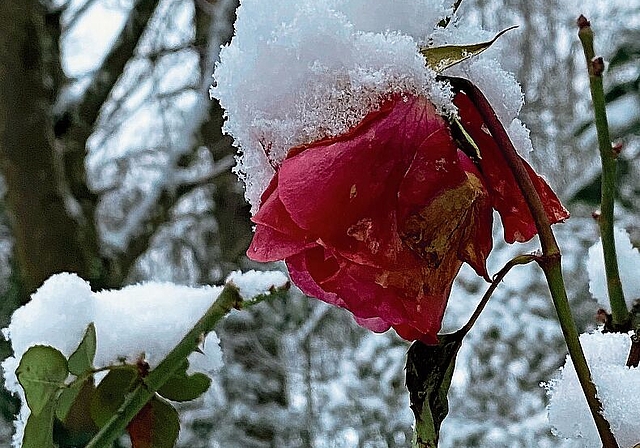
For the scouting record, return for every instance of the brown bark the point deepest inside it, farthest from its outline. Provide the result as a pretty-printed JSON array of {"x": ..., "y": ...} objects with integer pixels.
[
  {"x": 232, "y": 211},
  {"x": 50, "y": 207},
  {"x": 46, "y": 237}
]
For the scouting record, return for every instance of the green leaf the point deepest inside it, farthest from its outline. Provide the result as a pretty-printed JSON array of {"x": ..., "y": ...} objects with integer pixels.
[
  {"x": 157, "y": 425},
  {"x": 74, "y": 426},
  {"x": 443, "y": 57},
  {"x": 67, "y": 398},
  {"x": 185, "y": 387},
  {"x": 81, "y": 360},
  {"x": 429, "y": 371},
  {"x": 110, "y": 393},
  {"x": 41, "y": 373},
  {"x": 38, "y": 432}
]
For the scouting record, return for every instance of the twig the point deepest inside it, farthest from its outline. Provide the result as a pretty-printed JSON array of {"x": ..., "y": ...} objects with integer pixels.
[
  {"x": 520, "y": 259},
  {"x": 595, "y": 65}
]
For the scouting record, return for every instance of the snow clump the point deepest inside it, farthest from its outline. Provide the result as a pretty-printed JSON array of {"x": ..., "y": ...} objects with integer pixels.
[
  {"x": 297, "y": 71},
  {"x": 617, "y": 387},
  {"x": 628, "y": 265},
  {"x": 147, "y": 319}
]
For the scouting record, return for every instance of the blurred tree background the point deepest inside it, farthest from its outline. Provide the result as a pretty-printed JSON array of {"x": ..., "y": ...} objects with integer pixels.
[{"x": 113, "y": 166}]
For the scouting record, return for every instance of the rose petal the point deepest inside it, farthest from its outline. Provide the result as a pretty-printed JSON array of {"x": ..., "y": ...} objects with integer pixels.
[
  {"x": 457, "y": 220},
  {"x": 330, "y": 185},
  {"x": 476, "y": 240},
  {"x": 301, "y": 276},
  {"x": 271, "y": 245},
  {"x": 434, "y": 169},
  {"x": 276, "y": 236},
  {"x": 410, "y": 300},
  {"x": 506, "y": 196},
  {"x": 373, "y": 323}
]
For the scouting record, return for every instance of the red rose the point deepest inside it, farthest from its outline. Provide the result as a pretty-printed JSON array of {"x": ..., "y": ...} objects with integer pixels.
[{"x": 380, "y": 219}]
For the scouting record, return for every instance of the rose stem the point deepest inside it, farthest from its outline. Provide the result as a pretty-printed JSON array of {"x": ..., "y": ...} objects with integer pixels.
[
  {"x": 228, "y": 299},
  {"x": 550, "y": 261},
  {"x": 619, "y": 312},
  {"x": 520, "y": 259}
]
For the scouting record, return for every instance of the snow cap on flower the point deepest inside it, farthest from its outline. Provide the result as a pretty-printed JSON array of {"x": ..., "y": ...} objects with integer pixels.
[
  {"x": 297, "y": 71},
  {"x": 350, "y": 165},
  {"x": 300, "y": 70}
]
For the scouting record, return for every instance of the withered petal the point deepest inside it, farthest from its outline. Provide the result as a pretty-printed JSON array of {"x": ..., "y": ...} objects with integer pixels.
[{"x": 506, "y": 197}]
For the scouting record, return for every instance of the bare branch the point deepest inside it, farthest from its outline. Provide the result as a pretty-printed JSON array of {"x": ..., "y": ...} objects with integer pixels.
[
  {"x": 113, "y": 65},
  {"x": 213, "y": 27},
  {"x": 78, "y": 13},
  {"x": 83, "y": 115}
]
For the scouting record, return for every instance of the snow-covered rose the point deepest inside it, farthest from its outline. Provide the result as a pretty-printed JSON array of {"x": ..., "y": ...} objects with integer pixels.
[{"x": 379, "y": 220}]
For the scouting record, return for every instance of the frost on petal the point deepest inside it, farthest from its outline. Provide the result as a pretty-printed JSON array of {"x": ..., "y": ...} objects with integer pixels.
[
  {"x": 628, "y": 265},
  {"x": 505, "y": 193}
]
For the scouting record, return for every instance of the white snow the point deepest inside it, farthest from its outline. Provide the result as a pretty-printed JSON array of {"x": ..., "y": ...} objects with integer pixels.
[
  {"x": 297, "y": 71},
  {"x": 628, "y": 265},
  {"x": 606, "y": 355},
  {"x": 209, "y": 358},
  {"x": 146, "y": 319},
  {"x": 617, "y": 387},
  {"x": 499, "y": 86},
  {"x": 254, "y": 283}
]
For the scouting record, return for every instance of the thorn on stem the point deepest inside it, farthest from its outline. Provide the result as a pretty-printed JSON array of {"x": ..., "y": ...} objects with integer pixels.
[
  {"x": 583, "y": 22},
  {"x": 598, "y": 66},
  {"x": 634, "y": 353},
  {"x": 596, "y": 214},
  {"x": 616, "y": 147},
  {"x": 601, "y": 316}
]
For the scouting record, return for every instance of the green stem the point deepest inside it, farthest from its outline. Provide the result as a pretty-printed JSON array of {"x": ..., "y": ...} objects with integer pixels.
[
  {"x": 228, "y": 299},
  {"x": 425, "y": 434},
  {"x": 520, "y": 259},
  {"x": 550, "y": 260},
  {"x": 619, "y": 312}
]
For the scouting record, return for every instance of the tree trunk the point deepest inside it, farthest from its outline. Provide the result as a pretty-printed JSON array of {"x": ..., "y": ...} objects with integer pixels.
[{"x": 46, "y": 237}]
